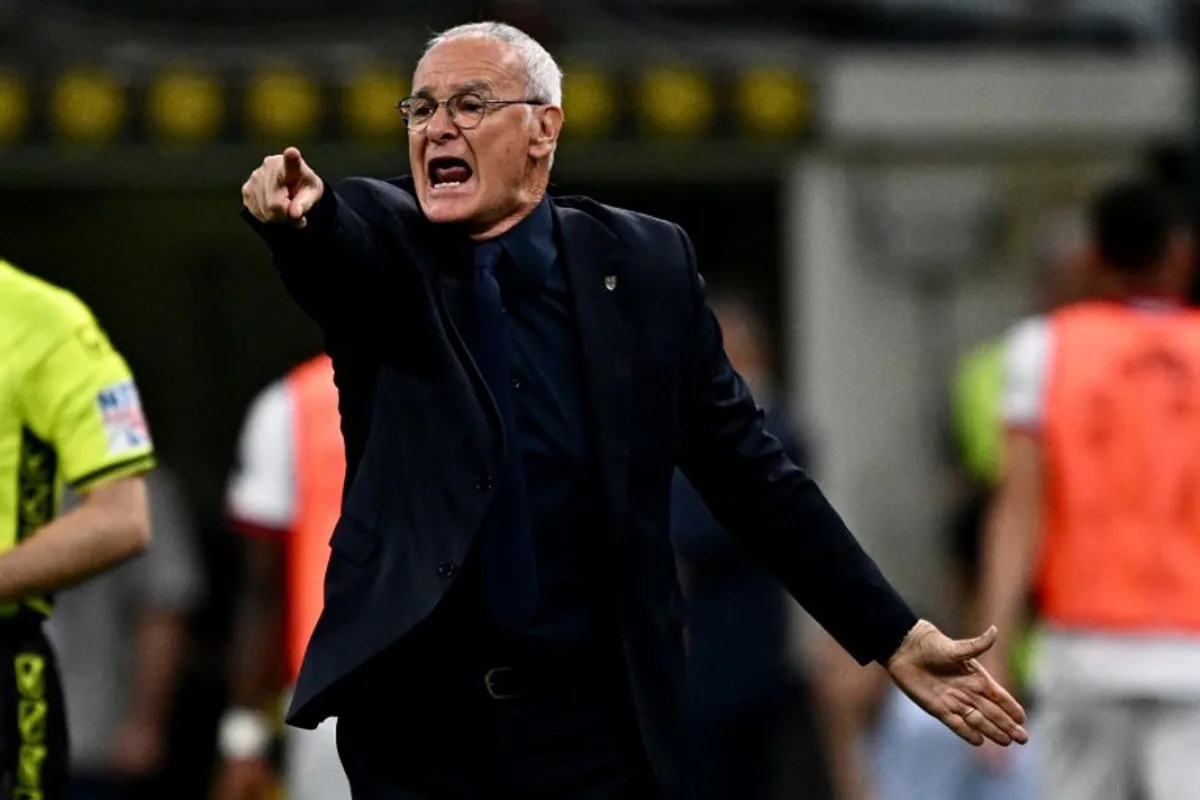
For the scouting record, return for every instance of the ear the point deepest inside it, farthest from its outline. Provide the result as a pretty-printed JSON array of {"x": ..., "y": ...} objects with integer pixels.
[{"x": 548, "y": 122}]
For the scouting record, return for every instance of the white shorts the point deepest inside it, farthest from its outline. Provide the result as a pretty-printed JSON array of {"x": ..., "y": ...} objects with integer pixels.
[
  {"x": 311, "y": 767},
  {"x": 1115, "y": 749}
]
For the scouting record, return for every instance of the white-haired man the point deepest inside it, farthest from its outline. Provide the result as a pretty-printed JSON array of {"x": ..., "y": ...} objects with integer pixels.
[{"x": 519, "y": 376}]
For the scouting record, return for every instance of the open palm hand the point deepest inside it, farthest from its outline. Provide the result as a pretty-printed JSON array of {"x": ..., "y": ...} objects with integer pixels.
[{"x": 944, "y": 677}]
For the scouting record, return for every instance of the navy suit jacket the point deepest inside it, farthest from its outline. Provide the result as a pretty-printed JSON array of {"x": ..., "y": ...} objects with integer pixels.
[{"x": 421, "y": 430}]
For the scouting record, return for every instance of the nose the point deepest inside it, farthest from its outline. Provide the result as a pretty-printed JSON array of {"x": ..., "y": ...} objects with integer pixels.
[{"x": 441, "y": 127}]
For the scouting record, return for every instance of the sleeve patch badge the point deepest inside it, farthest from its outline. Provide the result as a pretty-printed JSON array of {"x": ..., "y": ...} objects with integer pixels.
[{"x": 121, "y": 413}]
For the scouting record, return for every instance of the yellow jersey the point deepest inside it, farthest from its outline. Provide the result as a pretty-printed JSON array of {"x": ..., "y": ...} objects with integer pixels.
[{"x": 70, "y": 414}]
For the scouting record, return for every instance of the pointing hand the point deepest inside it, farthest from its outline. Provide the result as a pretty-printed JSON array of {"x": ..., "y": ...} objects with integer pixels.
[{"x": 283, "y": 189}]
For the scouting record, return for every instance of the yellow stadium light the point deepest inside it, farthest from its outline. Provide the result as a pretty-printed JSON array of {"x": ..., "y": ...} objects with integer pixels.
[
  {"x": 282, "y": 103},
  {"x": 773, "y": 101},
  {"x": 676, "y": 102},
  {"x": 370, "y": 103},
  {"x": 185, "y": 106},
  {"x": 87, "y": 105},
  {"x": 14, "y": 106},
  {"x": 589, "y": 102}
]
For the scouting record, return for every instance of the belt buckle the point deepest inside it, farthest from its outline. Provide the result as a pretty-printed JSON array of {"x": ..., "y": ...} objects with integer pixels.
[{"x": 489, "y": 679}]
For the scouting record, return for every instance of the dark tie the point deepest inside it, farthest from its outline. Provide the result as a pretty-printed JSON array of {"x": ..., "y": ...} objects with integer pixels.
[{"x": 509, "y": 563}]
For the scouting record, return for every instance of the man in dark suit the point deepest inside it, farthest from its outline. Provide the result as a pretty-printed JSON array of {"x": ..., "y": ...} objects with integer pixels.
[{"x": 518, "y": 378}]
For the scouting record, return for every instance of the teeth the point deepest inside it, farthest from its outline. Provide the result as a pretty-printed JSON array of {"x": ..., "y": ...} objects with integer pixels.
[{"x": 448, "y": 183}]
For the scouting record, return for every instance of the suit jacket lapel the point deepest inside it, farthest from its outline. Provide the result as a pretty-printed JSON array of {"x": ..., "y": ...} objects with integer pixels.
[{"x": 592, "y": 257}]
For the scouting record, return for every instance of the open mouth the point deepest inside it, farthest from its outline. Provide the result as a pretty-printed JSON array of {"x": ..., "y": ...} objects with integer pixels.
[{"x": 446, "y": 171}]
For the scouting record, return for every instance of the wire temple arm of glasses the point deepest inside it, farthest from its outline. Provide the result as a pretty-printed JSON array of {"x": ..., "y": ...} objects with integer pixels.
[{"x": 529, "y": 101}]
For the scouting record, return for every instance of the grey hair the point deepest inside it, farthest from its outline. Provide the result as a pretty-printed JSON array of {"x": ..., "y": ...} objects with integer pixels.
[{"x": 543, "y": 77}]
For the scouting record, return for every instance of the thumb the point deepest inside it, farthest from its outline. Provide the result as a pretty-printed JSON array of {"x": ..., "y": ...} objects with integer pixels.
[
  {"x": 965, "y": 649},
  {"x": 293, "y": 166}
]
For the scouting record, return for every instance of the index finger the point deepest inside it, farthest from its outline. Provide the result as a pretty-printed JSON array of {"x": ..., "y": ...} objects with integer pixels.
[{"x": 293, "y": 165}]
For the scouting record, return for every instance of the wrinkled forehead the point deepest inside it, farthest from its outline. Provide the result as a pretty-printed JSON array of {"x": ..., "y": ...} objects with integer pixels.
[{"x": 477, "y": 64}]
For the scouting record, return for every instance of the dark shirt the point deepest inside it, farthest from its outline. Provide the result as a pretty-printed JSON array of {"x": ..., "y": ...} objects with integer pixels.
[{"x": 552, "y": 433}]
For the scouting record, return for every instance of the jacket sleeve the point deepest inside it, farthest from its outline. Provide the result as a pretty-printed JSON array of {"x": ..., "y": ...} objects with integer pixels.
[
  {"x": 334, "y": 267},
  {"x": 772, "y": 507}
]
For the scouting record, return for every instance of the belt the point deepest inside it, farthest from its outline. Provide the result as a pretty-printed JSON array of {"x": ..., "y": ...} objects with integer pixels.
[
  {"x": 513, "y": 681},
  {"x": 486, "y": 670},
  {"x": 504, "y": 683},
  {"x": 499, "y": 683}
]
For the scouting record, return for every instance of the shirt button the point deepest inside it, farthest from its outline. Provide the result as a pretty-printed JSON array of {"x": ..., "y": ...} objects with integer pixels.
[
  {"x": 483, "y": 483},
  {"x": 447, "y": 569},
  {"x": 516, "y": 383}
]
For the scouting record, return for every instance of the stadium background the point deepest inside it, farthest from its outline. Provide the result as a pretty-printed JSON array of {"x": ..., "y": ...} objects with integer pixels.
[{"x": 870, "y": 171}]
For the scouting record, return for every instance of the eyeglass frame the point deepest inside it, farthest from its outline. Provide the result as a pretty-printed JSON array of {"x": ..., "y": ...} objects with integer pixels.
[{"x": 488, "y": 105}]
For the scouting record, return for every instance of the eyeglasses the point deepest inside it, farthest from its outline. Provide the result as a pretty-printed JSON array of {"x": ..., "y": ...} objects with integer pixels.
[{"x": 466, "y": 110}]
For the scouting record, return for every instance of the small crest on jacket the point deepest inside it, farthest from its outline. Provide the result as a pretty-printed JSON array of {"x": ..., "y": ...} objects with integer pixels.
[{"x": 610, "y": 282}]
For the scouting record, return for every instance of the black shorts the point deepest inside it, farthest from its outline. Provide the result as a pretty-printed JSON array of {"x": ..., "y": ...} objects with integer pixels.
[{"x": 33, "y": 725}]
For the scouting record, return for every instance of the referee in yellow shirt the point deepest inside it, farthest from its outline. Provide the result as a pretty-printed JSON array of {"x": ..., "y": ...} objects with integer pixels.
[{"x": 69, "y": 417}]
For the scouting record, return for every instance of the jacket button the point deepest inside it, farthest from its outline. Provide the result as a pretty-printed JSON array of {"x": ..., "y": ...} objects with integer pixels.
[
  {"x": 484, "y": 483},
  {"x": 447, "y": 569}
]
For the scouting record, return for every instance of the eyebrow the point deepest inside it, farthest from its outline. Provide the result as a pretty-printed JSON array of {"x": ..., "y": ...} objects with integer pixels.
[{"x": 467, "y": 86}]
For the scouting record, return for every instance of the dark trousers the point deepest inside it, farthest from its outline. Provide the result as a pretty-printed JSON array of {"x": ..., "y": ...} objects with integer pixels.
[
  {"x": 568, "y": 736},
  {"x": 33, "y": 723}
]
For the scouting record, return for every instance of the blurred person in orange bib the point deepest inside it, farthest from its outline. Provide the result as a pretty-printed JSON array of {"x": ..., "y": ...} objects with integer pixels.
[
  {"x": 1097, "y": 516},
  {"x": 878, "y": 745},
  {"x": 284, "y": 496}
]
